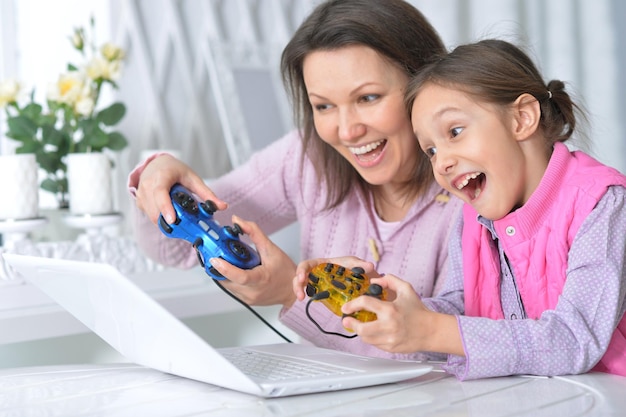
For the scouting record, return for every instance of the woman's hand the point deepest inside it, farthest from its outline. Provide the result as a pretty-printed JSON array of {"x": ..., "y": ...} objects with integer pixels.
[
  {"x": 266, "y": 284},
  {"x": 156, "y": 180},
  {"x": 404, "y": 324},
  {"x": 302, "y": 272}
]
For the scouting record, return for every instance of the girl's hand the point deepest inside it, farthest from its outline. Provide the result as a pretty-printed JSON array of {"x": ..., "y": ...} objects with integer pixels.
[
  {"x": 266, "y": 284},
  {"x": 405, "y": 324},
  {"x": 156, "y": 180},
  {"x": 301, "y": 277}
]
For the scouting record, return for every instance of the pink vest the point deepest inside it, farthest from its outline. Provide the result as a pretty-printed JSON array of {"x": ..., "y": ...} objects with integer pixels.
[{"x": 537, "y": 239}]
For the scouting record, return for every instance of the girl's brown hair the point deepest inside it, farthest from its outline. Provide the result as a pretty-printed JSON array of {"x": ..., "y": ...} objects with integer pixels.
[
  {"x": 394, "y": 29},
  {"x": 498, "y": 72}
]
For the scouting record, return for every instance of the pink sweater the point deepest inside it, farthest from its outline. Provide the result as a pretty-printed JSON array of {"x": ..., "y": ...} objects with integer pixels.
[
  {"x": 276, "y": 188},
  {"x": 537, "y": 241}
]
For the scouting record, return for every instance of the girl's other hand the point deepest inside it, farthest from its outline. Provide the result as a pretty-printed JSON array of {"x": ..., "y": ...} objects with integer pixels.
[{"x": 404, "y": 324}]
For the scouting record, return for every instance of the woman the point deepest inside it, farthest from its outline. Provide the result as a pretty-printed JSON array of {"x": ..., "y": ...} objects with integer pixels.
[{"x": 352, "y": 174}]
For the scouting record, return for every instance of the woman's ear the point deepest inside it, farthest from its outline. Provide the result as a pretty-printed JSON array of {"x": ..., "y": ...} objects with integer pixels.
[{"x": 526, "y": 116}]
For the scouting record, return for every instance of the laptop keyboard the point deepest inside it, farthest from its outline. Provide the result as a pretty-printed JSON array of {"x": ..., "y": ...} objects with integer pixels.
[{"x": 273, "y": 367}]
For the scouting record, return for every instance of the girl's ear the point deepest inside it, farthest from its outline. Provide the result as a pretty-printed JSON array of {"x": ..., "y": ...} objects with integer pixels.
[{"x": 526, "y": 116}]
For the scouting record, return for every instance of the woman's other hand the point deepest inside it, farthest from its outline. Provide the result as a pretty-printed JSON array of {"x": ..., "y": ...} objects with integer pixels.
[
  {"x": 156, "y": 180},
  {"x": 302, "y": 271}
]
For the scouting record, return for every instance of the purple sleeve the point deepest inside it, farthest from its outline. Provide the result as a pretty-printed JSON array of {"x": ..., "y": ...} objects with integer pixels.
[
  {"x": 573, "y": 337},
  {"x": 259, "y": 190},
  {"x": 155, "y": 245}
]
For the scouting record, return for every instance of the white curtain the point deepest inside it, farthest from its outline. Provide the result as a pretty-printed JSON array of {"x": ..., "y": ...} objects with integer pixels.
[
  {"x": 580, "y": 42},
  {"x": 179, "y": 91}
]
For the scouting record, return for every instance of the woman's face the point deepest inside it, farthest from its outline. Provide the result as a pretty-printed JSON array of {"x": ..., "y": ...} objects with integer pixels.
[{"x": 357, "y": 99}]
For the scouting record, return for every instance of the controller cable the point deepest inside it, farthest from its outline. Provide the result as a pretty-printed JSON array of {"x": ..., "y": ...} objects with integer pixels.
[
  {"x": 321, "y": 296},
  {"x": 253, "y": 311}
]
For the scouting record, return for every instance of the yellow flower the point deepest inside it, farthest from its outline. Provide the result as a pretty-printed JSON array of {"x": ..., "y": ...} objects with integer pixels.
[
  {"x": 70, "y": 88},
  {"x": 112, "y": 52},
  {"x": 9, "y": 90}
]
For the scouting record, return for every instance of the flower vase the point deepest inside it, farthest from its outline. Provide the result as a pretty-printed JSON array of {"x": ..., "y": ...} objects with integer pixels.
[
  {"x": 19, "y": 188},
  {"x": 89, "y": 183}
]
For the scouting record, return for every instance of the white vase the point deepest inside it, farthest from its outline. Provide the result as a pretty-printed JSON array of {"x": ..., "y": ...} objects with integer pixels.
[
  {"x": 89, "y": 183},
  {"x": 19, "y": 188}
]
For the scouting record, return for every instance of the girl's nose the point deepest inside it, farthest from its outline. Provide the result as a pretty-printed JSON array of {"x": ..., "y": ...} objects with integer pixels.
[{"x": 444, "y": 162}]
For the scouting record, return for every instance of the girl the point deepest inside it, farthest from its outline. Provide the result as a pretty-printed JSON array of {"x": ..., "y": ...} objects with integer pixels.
[{"x": 537, "y": 280}]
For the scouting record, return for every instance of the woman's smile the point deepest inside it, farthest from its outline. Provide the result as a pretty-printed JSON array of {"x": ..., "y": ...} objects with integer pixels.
[{"x": 370, "y": 154}]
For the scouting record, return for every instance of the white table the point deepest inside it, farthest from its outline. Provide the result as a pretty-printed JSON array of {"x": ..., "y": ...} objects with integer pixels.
[{"x": 131, "y": 390}]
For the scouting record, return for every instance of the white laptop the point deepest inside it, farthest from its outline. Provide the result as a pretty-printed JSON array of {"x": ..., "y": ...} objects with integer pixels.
[{"x": 143, "y": 331}]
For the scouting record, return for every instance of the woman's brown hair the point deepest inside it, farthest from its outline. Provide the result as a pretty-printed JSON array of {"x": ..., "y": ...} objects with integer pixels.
[{"x": 394, "y": 29}]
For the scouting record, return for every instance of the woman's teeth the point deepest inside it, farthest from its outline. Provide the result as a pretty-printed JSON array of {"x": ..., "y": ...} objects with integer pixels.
[{"x": 365, "y": 148}]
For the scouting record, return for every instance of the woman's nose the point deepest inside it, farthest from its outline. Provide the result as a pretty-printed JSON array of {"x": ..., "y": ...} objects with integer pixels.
[{"x": 350, "y": 126}]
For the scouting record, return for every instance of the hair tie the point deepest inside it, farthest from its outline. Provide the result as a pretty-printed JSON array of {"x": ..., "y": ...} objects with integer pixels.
[{"x": 549, "y": 94}]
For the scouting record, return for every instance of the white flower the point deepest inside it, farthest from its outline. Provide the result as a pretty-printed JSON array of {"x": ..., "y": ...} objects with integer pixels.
[
  {"x": 112, "y": 52},
  {"x": 78, "y": 39},
  {"x": 74, "y": 89},
  {"x": 99, "y": 68},
  {"x": 84, "y": 105},
  {"x": 9, "y": 90}
]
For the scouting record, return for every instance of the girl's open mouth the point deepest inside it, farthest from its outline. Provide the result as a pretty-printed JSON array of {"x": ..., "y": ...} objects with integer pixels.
[{"x": 471, "y": 184}]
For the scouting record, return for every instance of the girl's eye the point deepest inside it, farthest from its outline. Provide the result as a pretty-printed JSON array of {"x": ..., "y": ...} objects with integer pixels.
[
  {"x": 430, "y": 152},
  {"x": 455, "y": 131},
  {"x": 369, "y": 98}
]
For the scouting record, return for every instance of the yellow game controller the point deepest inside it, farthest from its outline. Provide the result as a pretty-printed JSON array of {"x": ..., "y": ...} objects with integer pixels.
[{"x": 334, "y": 285}]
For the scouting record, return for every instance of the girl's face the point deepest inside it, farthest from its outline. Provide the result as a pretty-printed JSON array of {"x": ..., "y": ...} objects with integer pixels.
[
  {"x": 474, "y": 151},
  {"x": 358, "y": 108}
]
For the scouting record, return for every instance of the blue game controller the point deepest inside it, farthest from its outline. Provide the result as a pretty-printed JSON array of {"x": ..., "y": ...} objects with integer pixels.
[{"x": 195, "y": 224}]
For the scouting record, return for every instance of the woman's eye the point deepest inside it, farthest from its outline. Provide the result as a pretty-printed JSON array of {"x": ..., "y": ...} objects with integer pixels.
[
  {"x": 455, "y": 131},
  {"x": 321, "y": 107}
]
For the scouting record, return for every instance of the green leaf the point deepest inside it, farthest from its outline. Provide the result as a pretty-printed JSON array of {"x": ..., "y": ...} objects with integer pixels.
[
  {"x": 98, "y": 140},
  {"x": 49, "y": 161},
  {"x": 52, "y": 136},
  {"x": 117, "y": 141},
  {"x": 29, "y": 146},
  {"x": 32, "y": 111},
  {"x": 21, "y": 127},
  {"x": 55, "y": 185},
  {"x": 112, "y": 114},
  {"x": 94, "y": 139}
]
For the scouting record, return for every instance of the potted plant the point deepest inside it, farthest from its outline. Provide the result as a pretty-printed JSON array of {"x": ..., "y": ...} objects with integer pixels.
[{"x": 71, "y": 121}]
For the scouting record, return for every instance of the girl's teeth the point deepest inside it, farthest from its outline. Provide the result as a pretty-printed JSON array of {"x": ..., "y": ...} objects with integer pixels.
[
  {"x": 366, "y": 148},
  {"x": 477, "y": 192},
  {"x": 467, "y": 179}
]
